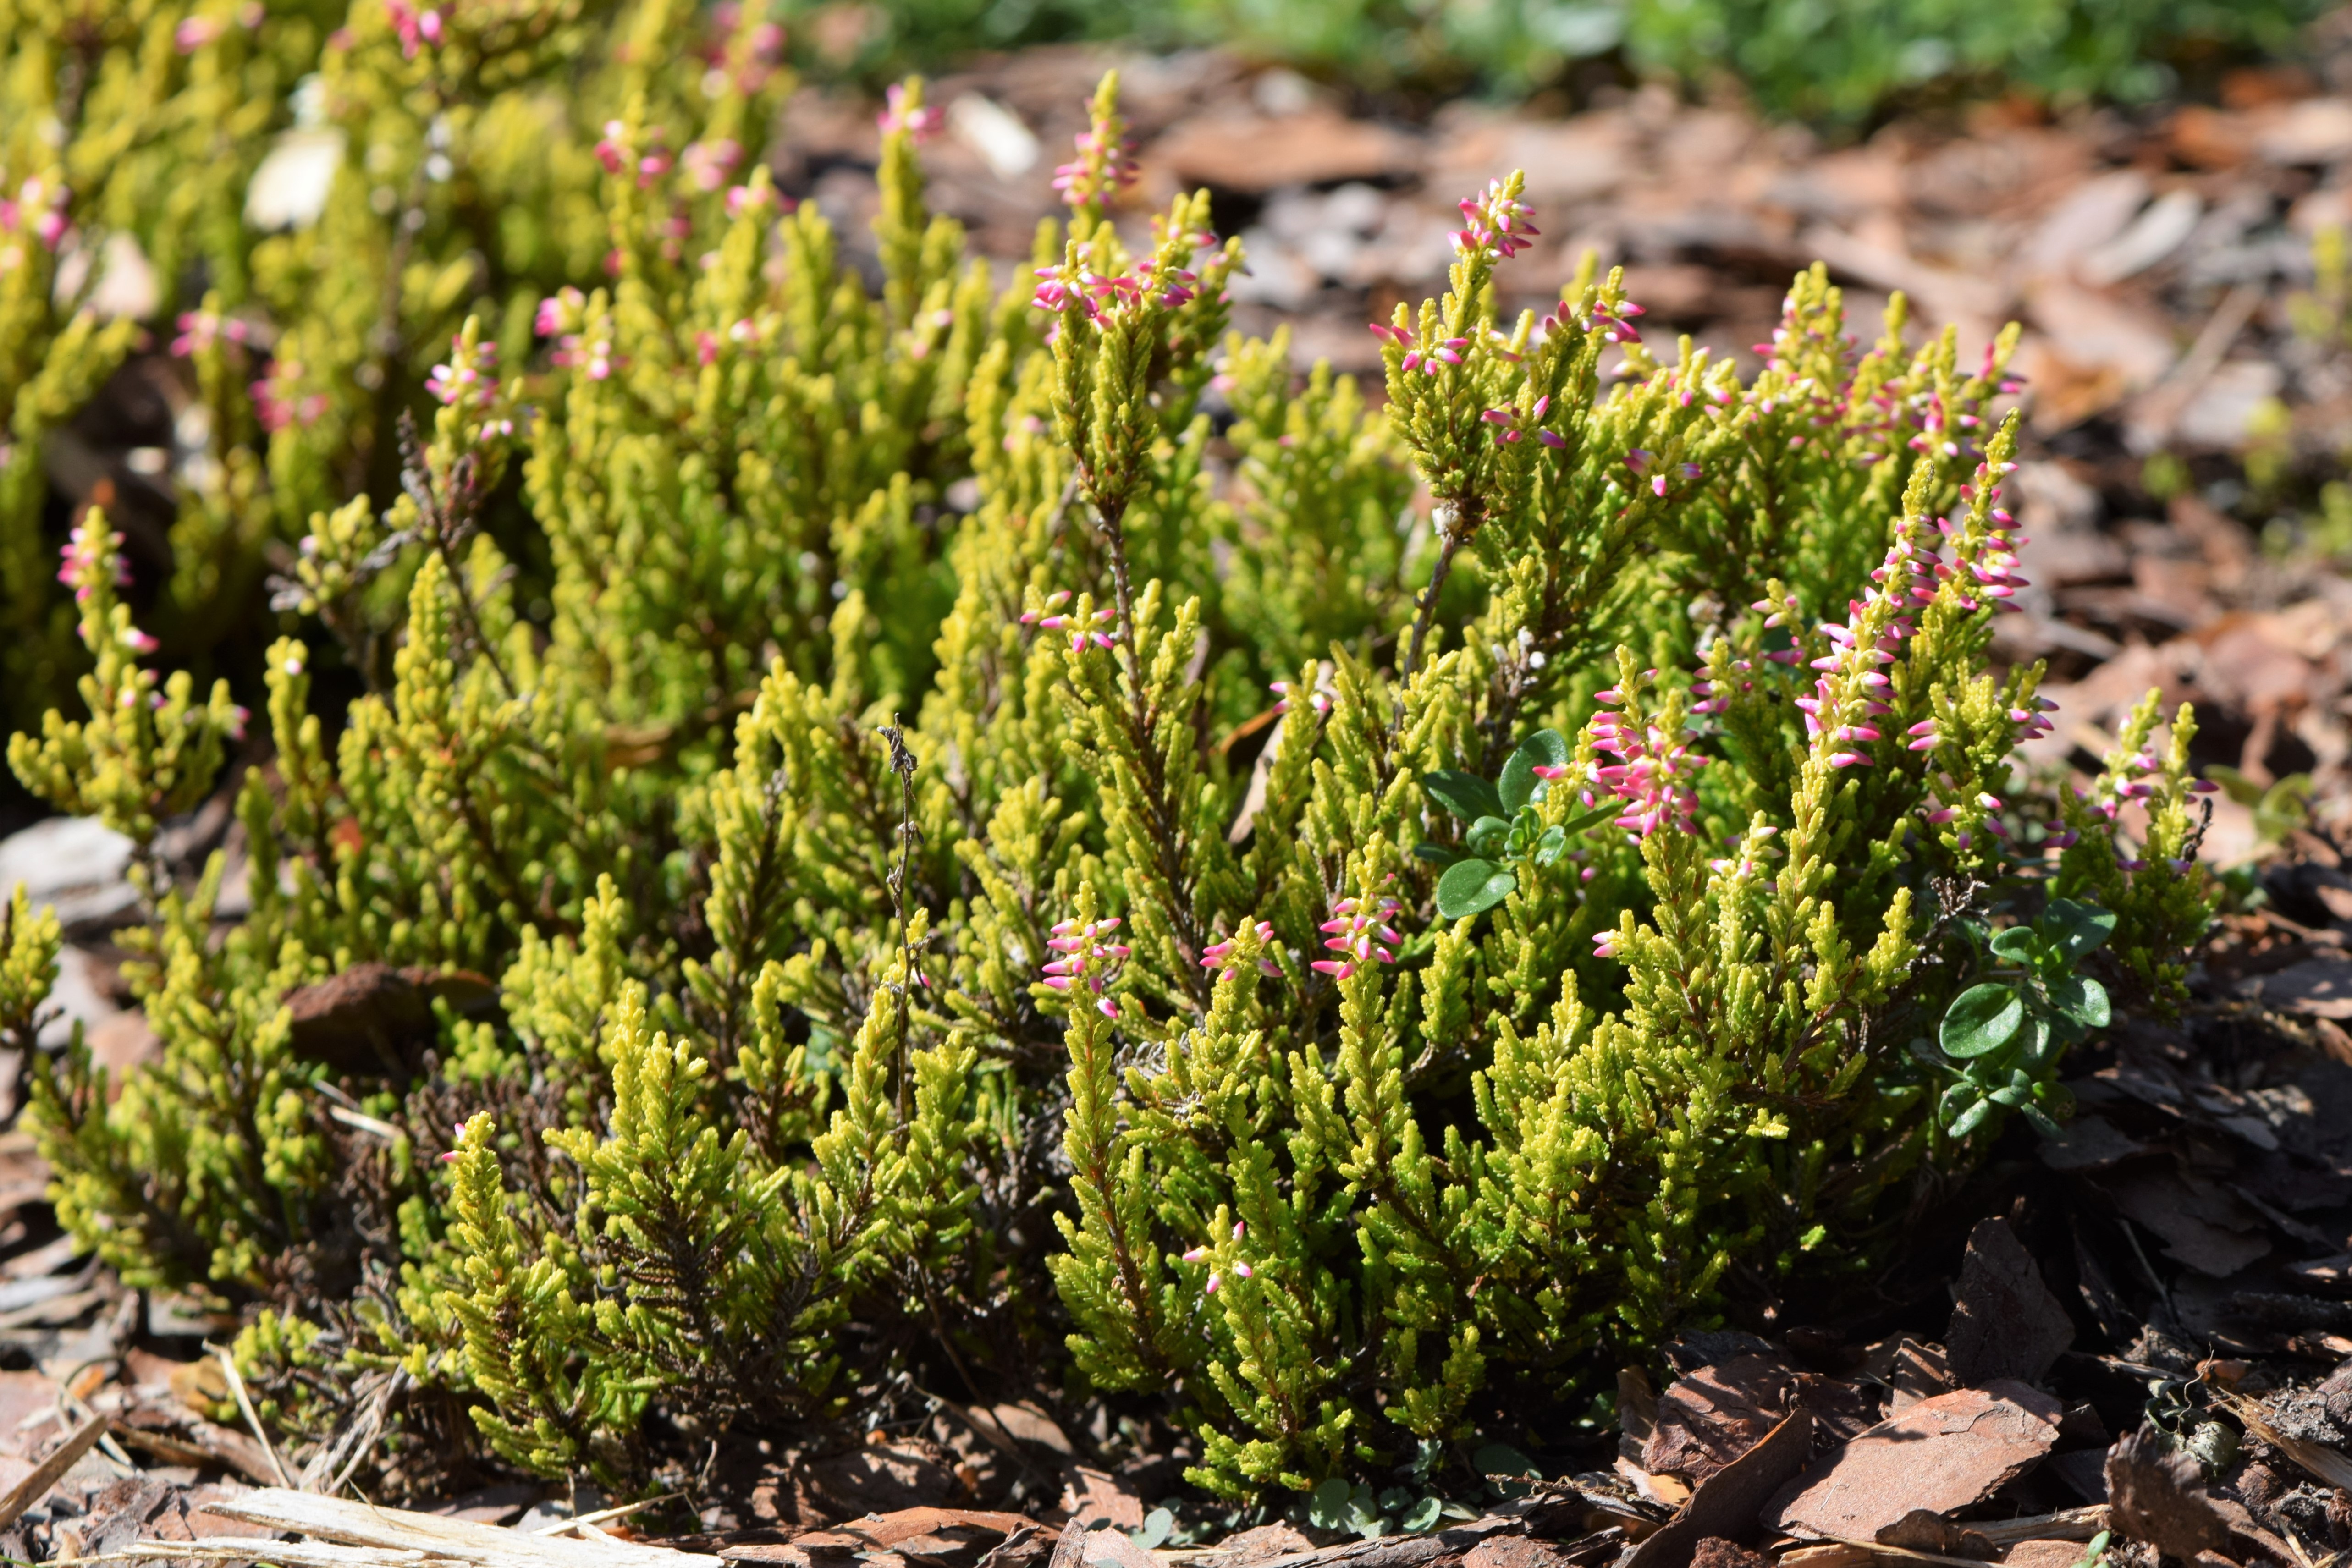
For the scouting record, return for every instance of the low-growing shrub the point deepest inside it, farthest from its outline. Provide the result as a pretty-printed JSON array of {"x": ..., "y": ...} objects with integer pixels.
[{"x": 865, "y": 928}]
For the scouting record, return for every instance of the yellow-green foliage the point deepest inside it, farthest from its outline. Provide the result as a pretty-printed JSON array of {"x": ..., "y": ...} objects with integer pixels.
[{"x": 899, "y": 974}]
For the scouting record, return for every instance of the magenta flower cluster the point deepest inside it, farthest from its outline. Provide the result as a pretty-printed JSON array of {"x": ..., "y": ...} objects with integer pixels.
[
  {"x": 200, "y": 329},
  {"x": 1088, "y": 632},
  {"x": 1077, "y": 179},
  {"x": 1219, "y": 956},
  {"x": 563, "y": 317},
  {"x": 415, "y": 27},
  {"x": 1087, "y": 963},
  {"x": 1653, "y": 771},
  {"x": 1507, "y": 423},
  {"x": 1643, "y": 462},
  {"x": 708, "y": 164},
  {"x": 38, "y": 208},
  {"x": 1101, "y": 294},
  {"x": 1359, "y": 933},
  {"x": 920, "y": 123},
  {"x": 87, "y": 550},
  {"x": 1492, "y": 222},
  {"x": 1201, "y": 1255},
  {"x": 277, "y": 401},
  {"x": 1424, "y": 358},
  {"x": 465, "y": 376}
]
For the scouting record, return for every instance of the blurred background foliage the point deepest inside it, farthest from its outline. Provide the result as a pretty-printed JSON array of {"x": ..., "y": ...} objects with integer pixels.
[{"x": 1834, "y": 62}]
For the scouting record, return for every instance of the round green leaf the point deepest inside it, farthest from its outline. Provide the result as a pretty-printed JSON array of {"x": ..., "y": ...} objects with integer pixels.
[
  {"x": 1472, "y": 887},
  {"x": 1466, "y": 795},
  {"x": 2082, "y": 999},
  {"x": 1158, "y": 1525},
  {"x": 1545, "y": 748},
  {"x": 1981, "y": 1020},
  {"x": 1495, "y": 1460},
  {"x": 1444, "y": 854},
  {"x": 1551, "y": 846},
  {"x": 1486, "y": 836},
  {"x": 2079, "y": 929},
  {"x": 1971, "y": 1119},
  {"x": 2037, "y": 1046},
  {"x": 1423, "y": 1515},
  {"x": 2017, "y": 944}
]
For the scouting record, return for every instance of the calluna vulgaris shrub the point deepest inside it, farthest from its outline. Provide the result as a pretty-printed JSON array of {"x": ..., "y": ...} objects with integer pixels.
[{"x": 814, "y": 757}]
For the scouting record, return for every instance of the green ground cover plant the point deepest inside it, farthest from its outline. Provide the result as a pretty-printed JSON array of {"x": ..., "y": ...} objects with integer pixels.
[{"x": 980, "y": 837}]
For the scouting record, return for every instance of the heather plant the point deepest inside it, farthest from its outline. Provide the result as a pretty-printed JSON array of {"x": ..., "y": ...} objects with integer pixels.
[{"x": 874, "y": 947}]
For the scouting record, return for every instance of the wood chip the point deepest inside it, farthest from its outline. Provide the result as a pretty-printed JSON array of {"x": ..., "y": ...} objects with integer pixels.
[
  {"x": 1728, "y": 1502},
  {"x": 484, "y": 1545},
  {"x": 1941, "y": 1454},
  {"x": 2006, "y": 1323}
]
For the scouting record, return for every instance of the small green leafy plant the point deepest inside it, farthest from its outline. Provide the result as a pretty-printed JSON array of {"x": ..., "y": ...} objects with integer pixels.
[
  {"x": 1506, "y": 836},
  {"x": 2002, "y": 1039}
]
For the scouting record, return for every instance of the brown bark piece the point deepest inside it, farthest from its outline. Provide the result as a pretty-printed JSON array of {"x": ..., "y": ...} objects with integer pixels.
[
  {"x": 1726, "y": 1505},
  {"x": 2159, "y": 1497},
  {"x": 374, "y": 1019},
  {"x": 1713, "y": 1415},
  {"x": 2200, "y": 1224},
  {"x": 1941, "y": 1454},
  {"x": 2043, "y": 1554},
  {"x": 1714, "y": 1552},
  {"x": 2006, "y": 1323},
  {"x": 1263, "y": 1544},
  {"x": 1920, "y": 1531},
  {"x": 1097, "y": 1498},
  {"x": 1920, "y": 1372},
  {"x": 1515, "y": 1552}
]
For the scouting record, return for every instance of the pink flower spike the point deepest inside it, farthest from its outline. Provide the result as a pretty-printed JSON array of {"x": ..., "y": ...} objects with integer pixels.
[
  {"x": 1604, "y": 945},
  {"x": 1197, "y": 1255},
  {"x": 1240, "y": 1229},
  {"x": 1240, "y": 1270},
  {"x": 1215, "y": 1280}
]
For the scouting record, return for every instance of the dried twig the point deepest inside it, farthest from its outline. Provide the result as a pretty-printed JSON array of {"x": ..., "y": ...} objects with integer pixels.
[
  {"x": 51, "y": 1470},
  {"x": 565, "y": 1526},
  {"x": 245, "y": 1407}
]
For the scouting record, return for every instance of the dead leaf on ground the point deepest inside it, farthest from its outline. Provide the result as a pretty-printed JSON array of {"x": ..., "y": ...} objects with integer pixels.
[
  {"x": 2006, "y": 1323},
  {"x": 1942, "y": 1453}
]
